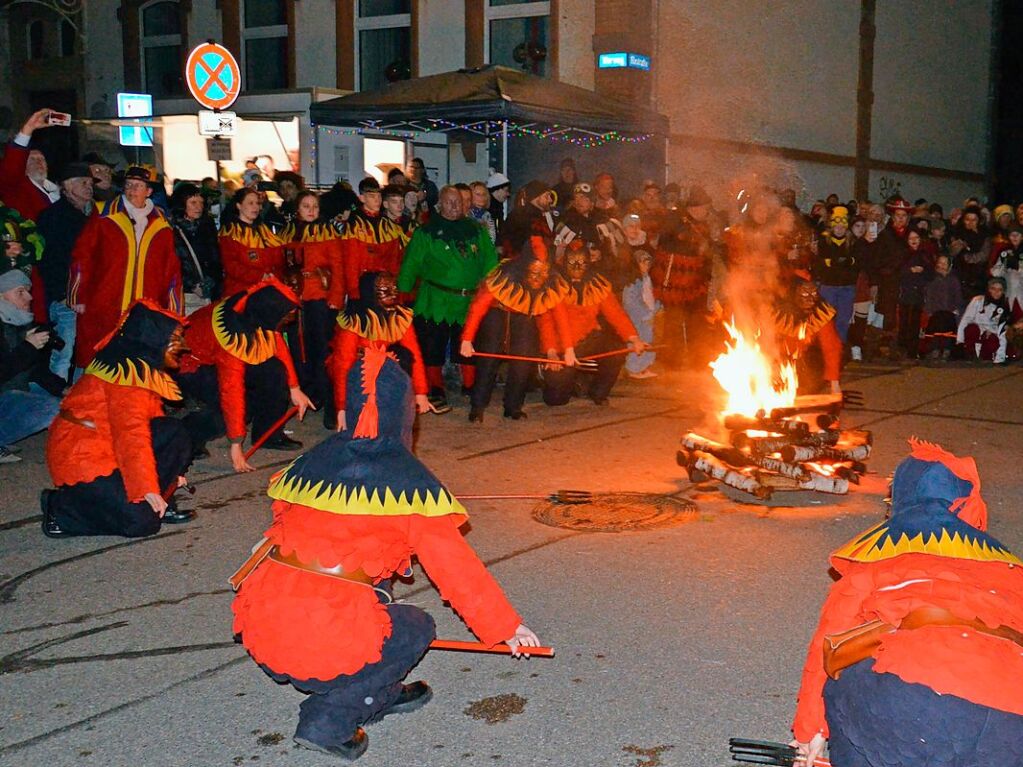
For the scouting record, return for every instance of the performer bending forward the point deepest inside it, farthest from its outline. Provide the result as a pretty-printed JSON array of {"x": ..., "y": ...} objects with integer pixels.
[{"x": 317, "y": 612}]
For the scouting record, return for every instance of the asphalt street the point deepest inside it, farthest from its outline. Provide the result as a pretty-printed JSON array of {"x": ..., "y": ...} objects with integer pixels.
[{"x": 669, "y": 641}]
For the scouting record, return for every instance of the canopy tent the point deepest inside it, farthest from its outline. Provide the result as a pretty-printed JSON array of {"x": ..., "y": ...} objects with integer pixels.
[{"x": 499, "y": 103}]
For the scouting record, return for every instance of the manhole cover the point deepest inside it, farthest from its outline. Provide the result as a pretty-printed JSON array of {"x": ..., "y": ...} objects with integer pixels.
[{"x": 617, "y": 512}]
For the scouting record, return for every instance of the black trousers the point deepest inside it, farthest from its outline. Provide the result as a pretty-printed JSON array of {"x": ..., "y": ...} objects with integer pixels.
[
  {"x": 329, "y": 716},
  {"x": 559, "y": 385},
  {"x": 317, "y": 325},
  {"x": 503, "y": 332},
  {"x": 267, "y": 398},
  {"x": 101, "y": 507},
  {"x": 909, "y": 328},
  {"x": 439, "y": 341}
]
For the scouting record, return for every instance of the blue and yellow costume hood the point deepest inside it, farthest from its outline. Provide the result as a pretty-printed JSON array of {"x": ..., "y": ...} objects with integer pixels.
[
  {"x": 936, "y": 509},
  {"x": 368, "y": 470}
]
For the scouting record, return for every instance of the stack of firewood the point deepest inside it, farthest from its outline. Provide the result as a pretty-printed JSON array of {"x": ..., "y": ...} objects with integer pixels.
[{"x": 793, "y": 448}]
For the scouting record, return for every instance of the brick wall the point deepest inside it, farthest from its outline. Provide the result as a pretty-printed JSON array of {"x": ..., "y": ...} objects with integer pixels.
[{"x": 624, "y": 25}]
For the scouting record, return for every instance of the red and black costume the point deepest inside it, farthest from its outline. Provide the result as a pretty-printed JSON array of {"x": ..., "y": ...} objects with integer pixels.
[
  {"x": 922, "y": 636},
  {"x": 503, "y": 319},
  {"x": 111, "y": 443},
  {"x": 589, "y": 304},
  {"x": 238, "y": 365},
  {"x": 371, "y": 242},
  {"x": 365, "y": 323},
  {"x": 348, "y": 515},
  {"x": 112, "y": 265},
  {"x": 316, "y": 250},
  {"x": 249, "y": 253},
  {"x": 804, "y": 327}
]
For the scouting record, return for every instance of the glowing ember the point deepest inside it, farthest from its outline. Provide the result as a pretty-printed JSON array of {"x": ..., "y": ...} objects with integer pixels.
[{"x": 752, "y": 381}]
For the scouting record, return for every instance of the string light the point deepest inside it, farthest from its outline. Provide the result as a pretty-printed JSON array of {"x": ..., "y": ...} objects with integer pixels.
[{"x": 489, "y": 129}]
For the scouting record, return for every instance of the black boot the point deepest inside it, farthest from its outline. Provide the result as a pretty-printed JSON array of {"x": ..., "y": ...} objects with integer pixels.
[
  {"x": 50, "y": 527},
  {"x": 282, "y": 442},
  {"x": 175, "y": 516},
  {"x": 351, "y": 749},
  {"x": 413, "y": 696}
]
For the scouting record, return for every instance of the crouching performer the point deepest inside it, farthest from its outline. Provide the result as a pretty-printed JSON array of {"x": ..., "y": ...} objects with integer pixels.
[
  {"x": 315, "y": 607},
  {"x": 239, "y": 369},
  {"x": 115, "y": 458},
  {"x": 503, "y": 320},
  {"x": 918, "y": 656},
  {"x": 374, "y": 319},
  {"x": 590, "y": 301}
]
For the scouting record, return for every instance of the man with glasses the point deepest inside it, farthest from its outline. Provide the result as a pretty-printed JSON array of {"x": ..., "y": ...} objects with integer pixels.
[{"x": 122, "y": 256}]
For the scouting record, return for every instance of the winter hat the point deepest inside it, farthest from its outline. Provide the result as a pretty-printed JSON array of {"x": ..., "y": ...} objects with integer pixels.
[
  {"x": 497, "y": 181},
  {"x": 13, "y": 278}
]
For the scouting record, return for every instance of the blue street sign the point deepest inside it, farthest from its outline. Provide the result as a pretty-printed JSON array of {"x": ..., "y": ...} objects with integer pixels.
[
  {"x": 135, "y": 105},
  {"x": 639, "y": 61},
  {"x": 612, "y": 60}
]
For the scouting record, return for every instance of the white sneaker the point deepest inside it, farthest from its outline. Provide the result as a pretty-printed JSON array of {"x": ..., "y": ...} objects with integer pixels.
[
  {"x": 856, "y": 353},
  {"x": 6, "y": 456}
]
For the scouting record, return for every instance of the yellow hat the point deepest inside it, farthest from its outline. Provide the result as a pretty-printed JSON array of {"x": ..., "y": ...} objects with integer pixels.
[
  {"x": 1002, "y": 210},
  {"x": 839, "y": 215}
]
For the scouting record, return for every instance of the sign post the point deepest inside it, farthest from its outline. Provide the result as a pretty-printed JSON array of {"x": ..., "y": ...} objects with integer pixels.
[{"x": 214, "y": 80}]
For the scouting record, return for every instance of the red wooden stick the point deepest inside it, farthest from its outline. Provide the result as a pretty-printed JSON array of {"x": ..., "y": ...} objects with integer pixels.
[
  {"x": 269, "y": 432},
  {"x": 627, "y": 350},
  {"x": 540, "y": 360},
  {"x": 451, "y": 644}
]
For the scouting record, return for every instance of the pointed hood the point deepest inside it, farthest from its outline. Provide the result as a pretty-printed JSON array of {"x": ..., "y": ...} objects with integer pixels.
[
  {"x": 244, "y": 324},
  {"x": 365, "y": 317},
  {"x": 368, "y": 469},
  {"x": 936, "y": 509}
]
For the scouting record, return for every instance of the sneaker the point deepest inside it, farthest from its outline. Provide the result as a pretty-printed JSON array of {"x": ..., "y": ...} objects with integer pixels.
[
  {"x": 856, "y": 353},
  {"x": 646, "y": 373},
  {"x": 412, "y": 697},
  {"x": 8, "y": 456}
]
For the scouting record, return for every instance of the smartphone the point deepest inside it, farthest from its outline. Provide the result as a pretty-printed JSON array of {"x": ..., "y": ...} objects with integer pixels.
[
  {"x": 59, "y": 118},
  {"x": 872, "y": 228}
]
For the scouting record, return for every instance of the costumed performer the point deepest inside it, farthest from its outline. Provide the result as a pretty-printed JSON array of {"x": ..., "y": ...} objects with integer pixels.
[
  {"x": 317, "y": 612},
  {"x": 114, "y": 456}
]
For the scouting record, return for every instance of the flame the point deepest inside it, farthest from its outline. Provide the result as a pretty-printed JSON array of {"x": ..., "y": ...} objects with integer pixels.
[{"x": 752, "y": 381}]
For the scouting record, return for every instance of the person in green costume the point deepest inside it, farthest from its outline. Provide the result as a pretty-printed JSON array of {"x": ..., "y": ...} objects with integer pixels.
[{"x": 448, "y": 257}]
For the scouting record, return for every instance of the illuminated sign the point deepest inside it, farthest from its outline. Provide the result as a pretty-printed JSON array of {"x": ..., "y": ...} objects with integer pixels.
[
  {"x": 612, "y": 61},
  {"x": 135, "y": 105},
  {"x": 623, "y": 60},
  {"x": 639, "y": 61}
]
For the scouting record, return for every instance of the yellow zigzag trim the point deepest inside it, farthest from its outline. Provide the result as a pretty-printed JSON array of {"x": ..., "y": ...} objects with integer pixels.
[
  {"x": 260, "y": 236},
  {"x": 370, "y": 326},
  {"x": 344, "y": 500},
  {"x": 318, "y": 232},
  {"x": 254, "y": 349},
  {"x": 866, "y": 549},
  {"x": 517, "y": 297},
  {"x": 595, "y": 290},
  {"x": 138, "y": 373},
  {"x": 362, "y": 229},
  {"x": 818, "y": 318}
]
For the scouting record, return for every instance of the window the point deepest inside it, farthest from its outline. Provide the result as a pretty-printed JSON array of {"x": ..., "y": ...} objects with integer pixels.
[
  {"x": 517, "y": 33},
  {"x": 34, "y": 34},
  {"x": 67, "y": 38},
  {"x": 383, "y": 42},
  {"x": 265, "y": 44},
  {"x": 161, "y": 49}
]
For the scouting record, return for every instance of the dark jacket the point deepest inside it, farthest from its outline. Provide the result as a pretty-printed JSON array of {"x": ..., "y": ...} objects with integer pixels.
[
  {"x": 944, "y": 294},
  {"x": 60, "y": 224},
  {"x": 202, "y": 236},
  {"x": 912, "y": 284},
  {"x": 836, "y": 263},
  {"x": 21, "y": 363}
]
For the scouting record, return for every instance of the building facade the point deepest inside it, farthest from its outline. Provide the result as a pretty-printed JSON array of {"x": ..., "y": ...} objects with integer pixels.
[{"x": 857, "y": 97}]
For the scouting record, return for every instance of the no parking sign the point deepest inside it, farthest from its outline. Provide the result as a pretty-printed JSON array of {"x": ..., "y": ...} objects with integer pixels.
[{"x": 213, "y": 76}]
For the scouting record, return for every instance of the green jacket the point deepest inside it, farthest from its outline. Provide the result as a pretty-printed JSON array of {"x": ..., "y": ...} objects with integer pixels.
[{"x": 455, "y": 255}]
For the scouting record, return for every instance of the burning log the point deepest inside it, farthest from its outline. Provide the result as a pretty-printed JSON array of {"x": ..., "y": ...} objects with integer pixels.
[
  {"x": 814, "y": 403},
  {"x": 792, "y": 470},
  {"x": 823, "y": 484},
  {"x": 766, "y": 445},
  {"x": 722, "y": 472},
  {"x": 800, "y": 453},
  {"x": 743, "y": 423},
  {"x": 726, "y": 453},
  {"x": 776, "y": 481}
]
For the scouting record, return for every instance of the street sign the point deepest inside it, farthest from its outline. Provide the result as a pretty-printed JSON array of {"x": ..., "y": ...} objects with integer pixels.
[
  {"x": 218, "y": 150},
  {"x": 135, "y": 105},
  {"x": 212, "y": 75},
  {"x": 217, "y": 123},
  {"x": 612, "y": 60},
  {"x": 639, "y": 61}
]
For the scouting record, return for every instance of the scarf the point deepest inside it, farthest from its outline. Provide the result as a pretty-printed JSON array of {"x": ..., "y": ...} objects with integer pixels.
[
  {"x": 139, "y": 217},
  {"x": 12, "y": 315}
]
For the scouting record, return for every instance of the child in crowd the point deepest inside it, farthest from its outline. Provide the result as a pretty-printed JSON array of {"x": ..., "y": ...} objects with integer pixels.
[{"x": 641, "y": 306}]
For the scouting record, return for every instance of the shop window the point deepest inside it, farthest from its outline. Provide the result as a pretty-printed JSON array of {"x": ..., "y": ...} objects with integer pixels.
[
  {"x": 265, "y": 44},
  {"x": 35, "y": 39},
  {"x": 161, "y": 49},
  {"x": 383, "y": 42},
  {"x": 518, "y": 34}
]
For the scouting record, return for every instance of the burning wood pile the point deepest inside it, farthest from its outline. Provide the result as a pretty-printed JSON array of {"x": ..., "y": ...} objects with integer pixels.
[{"x": 774, "y": 439}]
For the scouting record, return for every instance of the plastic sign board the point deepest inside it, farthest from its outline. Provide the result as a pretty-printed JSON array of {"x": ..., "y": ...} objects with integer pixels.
[
  {"x": 218, "y": 150},
  {"x": 212, "y": 76},
  {"x": 612, "y": 60},
  {"x": 639, "y": 61},
  {"x": 218, "y": 123},
  {"x": 135, "y": 105}
]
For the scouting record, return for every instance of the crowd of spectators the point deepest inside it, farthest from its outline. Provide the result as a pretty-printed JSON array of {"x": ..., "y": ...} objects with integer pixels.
[{"x": 906, "y": 280}]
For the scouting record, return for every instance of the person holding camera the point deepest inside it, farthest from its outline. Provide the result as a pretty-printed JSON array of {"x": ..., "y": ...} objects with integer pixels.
[{"x": 29, "y": 392}]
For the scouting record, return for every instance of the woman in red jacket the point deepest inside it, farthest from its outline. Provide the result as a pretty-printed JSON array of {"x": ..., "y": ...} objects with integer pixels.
[
  {"x": 249, "y": 248},
  {"x": 351, "y": 513},
  {"x": 315, "y": 249}
]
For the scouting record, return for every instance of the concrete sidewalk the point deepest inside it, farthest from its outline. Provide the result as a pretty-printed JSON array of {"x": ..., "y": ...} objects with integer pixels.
[{"x": 669, "y": 641}]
